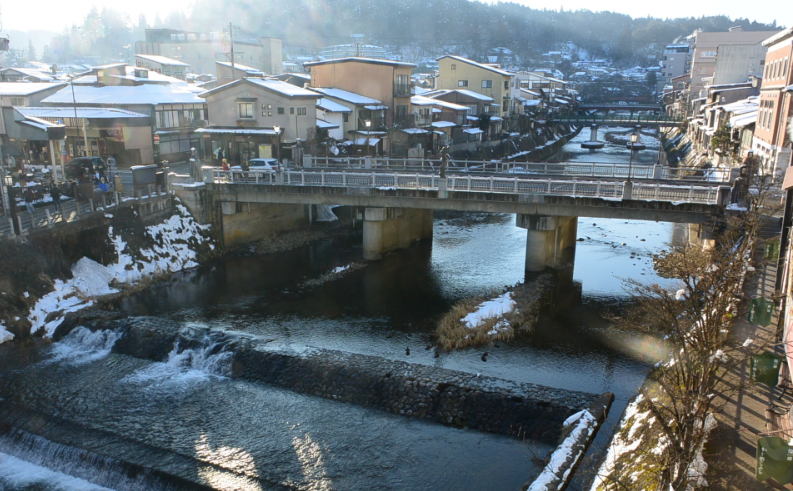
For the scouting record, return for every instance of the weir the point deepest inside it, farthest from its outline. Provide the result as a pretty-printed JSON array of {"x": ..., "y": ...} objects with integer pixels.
[{"x": 449, "y": 397}]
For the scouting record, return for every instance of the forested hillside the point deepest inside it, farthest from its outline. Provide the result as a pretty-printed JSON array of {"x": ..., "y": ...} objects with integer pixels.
[{"x": 434, "y": 26}]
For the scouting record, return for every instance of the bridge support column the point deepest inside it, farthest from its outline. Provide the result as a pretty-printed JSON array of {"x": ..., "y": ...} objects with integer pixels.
[
  {"x": 593, "y": 133},
  {"x": 388, "y": 229},
  {"x": 548, "y": 239}
]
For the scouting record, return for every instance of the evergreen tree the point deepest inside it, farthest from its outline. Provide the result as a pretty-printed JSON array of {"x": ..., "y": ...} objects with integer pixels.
[{"x": 31, "y": 51}]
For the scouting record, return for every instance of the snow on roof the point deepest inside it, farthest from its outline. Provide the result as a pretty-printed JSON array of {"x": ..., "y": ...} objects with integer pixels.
[
  {"x": 32, "y": 72},
  {"x": 325, "y": 125},
  {"x": 443, "y": 124},
  {"x": 283, "y": 88},
  {"x": 346, "y": 96},
  {"x": 533, "y": 102},
  {"x": 472, "y": 131},
  {"x": 25, "y": 88},
  {"x": 466, "y": 92},
  {"x": 239, "y": 66},
  {"x": 82, "y": 112},
  {"x": 162, "y": 60},
  {"x": 360, "y": 60},
  {"x": 275, "y": 85},
  {"x": 479, "y": 65},
  {"x": 744, "y": 119},
  {"x": 330, "y": 106},
  {"x": 531, "y": 92},
  {"x": 413, "y": 131},
  {"x": 147, "y": 94},
  {"x": 238, "y": 131},
  {"x": 418, "y": 100}
]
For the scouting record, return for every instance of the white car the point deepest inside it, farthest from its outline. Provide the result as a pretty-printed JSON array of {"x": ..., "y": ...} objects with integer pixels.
[{"x": 263, "y": 164}]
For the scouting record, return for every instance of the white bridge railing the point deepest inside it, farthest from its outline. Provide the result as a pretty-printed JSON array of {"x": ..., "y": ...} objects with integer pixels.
[
  {"x": 606, "y": 189},
  {"x": 569, "y": 169}
]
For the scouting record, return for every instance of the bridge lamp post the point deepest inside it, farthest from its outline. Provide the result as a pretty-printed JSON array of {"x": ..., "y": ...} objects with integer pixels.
[
  {"x": 277, "y": 130},
  {"x": 368, "y": 124},
  {"x": 634, "y": 139}
]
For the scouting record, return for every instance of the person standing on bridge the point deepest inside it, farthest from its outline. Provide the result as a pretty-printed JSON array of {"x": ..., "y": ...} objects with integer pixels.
[{"x": 444, "y": 161}]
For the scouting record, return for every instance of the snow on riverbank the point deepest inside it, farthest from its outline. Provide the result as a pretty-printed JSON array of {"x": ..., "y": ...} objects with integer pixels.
[
  {"x": 492, "y": 308},
  {"x": 20, "y": 474},
  {"x": 174, "y": 249},
  {"x": 566, "y": 456},
  {"x": 4, "y": 334}
]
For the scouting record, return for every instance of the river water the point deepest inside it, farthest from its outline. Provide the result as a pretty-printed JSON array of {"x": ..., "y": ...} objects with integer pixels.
[{"x": 234, "y": 434}]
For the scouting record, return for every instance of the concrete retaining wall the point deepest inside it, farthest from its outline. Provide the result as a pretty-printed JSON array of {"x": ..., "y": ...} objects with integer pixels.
[{"x": 452, "y": 398}]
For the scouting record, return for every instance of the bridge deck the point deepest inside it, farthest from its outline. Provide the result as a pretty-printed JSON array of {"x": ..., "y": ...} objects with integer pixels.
[{"x": 570, "y": 197}]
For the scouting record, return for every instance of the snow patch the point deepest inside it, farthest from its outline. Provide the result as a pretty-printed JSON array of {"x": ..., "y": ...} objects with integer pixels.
[
  {"x": 5, "y": 336},
  {"x": 171, "y": 252},
  {"x": 20, "y": 474},
  {"x": 495, "y": 307},
  {"x": 568, "y": 453}
]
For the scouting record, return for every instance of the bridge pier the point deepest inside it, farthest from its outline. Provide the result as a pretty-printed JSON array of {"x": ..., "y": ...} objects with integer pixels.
[
  {"x": 548, "y": 238},
  {"x": 388, "y": 229},
  {"x": 593, "y": 142}
]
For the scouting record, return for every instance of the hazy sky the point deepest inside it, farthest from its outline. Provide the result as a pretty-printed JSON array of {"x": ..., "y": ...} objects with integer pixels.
[{"x": 54, "y": 15}]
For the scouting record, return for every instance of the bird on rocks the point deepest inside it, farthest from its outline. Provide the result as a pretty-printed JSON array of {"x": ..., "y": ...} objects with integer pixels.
[
  {"x": 407, "y": 351},
  {"x": 484, "y": 356}
]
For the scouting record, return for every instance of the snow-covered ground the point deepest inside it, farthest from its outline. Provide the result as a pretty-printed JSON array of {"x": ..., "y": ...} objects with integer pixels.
[
  {"x": 492, "y": 308},
  {"x": 4, "y": 334},
  {"x": 174, "y": 239}
]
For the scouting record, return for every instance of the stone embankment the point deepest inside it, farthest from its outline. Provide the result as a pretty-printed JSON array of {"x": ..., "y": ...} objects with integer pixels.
[{"x": 452, "y": 398}]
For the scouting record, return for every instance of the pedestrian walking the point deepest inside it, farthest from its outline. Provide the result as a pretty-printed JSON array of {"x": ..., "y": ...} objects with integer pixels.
[
  {"x": 29, "y": 199},
  {"x": 224, "y": 165},
  {"x": 55, "y": 194}
]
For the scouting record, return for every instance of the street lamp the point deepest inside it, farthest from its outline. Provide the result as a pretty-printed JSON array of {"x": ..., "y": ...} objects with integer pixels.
[
  {"x": 634, "y": 139},
  {"x": 277, "y": 130},
  {"x": 368, "y": 124}
]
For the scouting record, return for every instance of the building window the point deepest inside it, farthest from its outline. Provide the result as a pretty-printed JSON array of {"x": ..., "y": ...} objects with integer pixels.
[
  {"x": 345, "y": 117},
  {"x": 454, "y": 66},
  {"x": 17, "y": 101},
  {"x": 506, "y": 84},
  {"x": 505, "y": 106},
  {"x": 301, "y": 111},
  {"x": 280, "y": 110},
  {"x": 246, "y": 110},
  {"x": 708, "y": 54},
  {"x": 487, "y": 84},
  {"x": 462, "y": 83}
]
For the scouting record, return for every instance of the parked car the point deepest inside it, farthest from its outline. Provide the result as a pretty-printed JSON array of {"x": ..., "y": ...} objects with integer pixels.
[
  {"x": 80, "y": 166},
  {"x": 263, "y": 164}
]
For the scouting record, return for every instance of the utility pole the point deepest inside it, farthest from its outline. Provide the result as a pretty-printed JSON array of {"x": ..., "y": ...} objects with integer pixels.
[{"x": 231, "y": 41}]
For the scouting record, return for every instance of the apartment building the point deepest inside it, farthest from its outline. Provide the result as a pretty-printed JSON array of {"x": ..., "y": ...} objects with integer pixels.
[
  {"x": 456, "y": 72},
  {"x": 706, "y": 47},
  {"x": 771, "y": 141},
  {"x": 201, "y": 50},
  {"x": 387, "y": 81}
]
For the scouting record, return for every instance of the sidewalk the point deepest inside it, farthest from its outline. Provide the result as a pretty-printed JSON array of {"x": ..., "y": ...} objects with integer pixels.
[{"x": 731, "y": 448}]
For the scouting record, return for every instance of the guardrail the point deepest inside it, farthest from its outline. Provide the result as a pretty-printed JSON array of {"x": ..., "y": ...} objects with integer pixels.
[
  {"x": 606, "y": 189},
  {"x": 72, "y": 211},
  {"x": 568, "y": 169},
  {"x": 612, "y": 118}
]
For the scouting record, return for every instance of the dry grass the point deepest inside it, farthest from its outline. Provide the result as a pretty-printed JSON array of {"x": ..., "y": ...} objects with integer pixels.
[{"x": 452, "y": 334}]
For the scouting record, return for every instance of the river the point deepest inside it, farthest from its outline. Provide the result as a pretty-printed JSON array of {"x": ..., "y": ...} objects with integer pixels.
[{"x": 236, "y": 434}]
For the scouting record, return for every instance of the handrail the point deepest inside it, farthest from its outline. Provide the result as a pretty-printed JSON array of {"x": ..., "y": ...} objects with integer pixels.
[
  {"x": 607, "y": 189},
  {"x": 570, "y": 169}
]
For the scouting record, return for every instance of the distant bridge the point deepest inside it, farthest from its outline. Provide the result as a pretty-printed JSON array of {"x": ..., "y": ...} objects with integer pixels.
[
  {"x": 606, "y": 106},
  {"x": 609, "y": 119}
]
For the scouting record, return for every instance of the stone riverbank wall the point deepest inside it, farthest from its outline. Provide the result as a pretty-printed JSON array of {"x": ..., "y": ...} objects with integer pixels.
[{"x": 452, "y": 398}]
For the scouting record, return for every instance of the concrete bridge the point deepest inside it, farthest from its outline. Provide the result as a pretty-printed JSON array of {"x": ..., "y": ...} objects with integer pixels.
[{"x": 396, "y": 207}]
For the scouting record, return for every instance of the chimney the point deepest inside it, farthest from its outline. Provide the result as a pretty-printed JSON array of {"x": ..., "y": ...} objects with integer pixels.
[{"x": 736, "y": 28}]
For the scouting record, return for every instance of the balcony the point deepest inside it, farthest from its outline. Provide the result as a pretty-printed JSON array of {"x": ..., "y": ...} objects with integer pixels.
[
  {"x": 375, "y": 124},
  {"x": 401, "y": 90}
]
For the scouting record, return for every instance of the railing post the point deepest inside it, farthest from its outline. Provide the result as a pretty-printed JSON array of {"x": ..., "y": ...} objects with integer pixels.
[
  {"x": 49, "y": 218},
  {"x": 691, "y": 194},
  {"x": 657, "y": 191},
  {"x": 322, "y": 174},
  {"x": 597, "y": 189},
  {"x": 344, "y": 178},
  {"x": 77, "y": 207},
  {"x": 19, "y": 222},
  {"x": 549, "y": 188},
  {"x": 516, "y": 186},
  {"x": 91, "y": 204},
  {"x": 373, "y": 183},
  {"x": 491, "y": 184}
]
